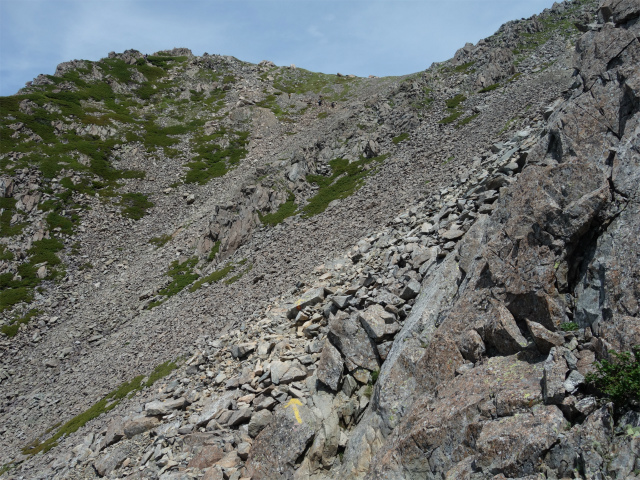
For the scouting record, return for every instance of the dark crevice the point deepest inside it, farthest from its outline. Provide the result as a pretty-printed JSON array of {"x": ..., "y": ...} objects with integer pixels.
[
  {"x": 584, "y": 250},
  {"x": 554, "y": 150}
]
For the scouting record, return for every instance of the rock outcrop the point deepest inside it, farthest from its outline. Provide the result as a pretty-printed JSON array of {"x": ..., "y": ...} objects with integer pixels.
[{"x": 413, "y": 282}]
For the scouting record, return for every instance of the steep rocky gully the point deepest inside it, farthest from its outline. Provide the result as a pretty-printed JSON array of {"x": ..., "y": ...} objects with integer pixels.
[{"x": 213, "y": 269}]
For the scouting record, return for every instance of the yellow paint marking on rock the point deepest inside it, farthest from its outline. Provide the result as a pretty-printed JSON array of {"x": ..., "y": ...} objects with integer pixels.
[{"x": 293, "y": 402}]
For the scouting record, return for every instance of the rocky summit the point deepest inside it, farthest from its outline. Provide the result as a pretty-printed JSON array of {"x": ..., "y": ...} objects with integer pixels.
[{"x": 220, "y": 270}]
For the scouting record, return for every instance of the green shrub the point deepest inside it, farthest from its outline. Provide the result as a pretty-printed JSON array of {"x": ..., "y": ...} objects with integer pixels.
[
  {"x": 13, "y": 296},
  {"x": 464, "y": 68},
  {"x": 451, "y": 118},
  {"x": 400, "y": 138},
  {"x": 569, "y": 326},
  {"x": 345, "y": 179},
  {"x": 467, "y": 120},
  {"x": 214, "y": 251},
  {"x": 135, "y": 205},
  {"x": 453, "y": 102},
  {"x": 213, "y": 160},
  {"x": 213, "y": 277},
  {"x": 11, "y": 329},
  {"x": 489, "y": 88},
  {"x": 160, "y": 241},
  {"x": 323, "y": 114},
  {"x": 107, "y": 403},
  {"x": 618, "y": 379},
  {"x": 285, "y": 210},
  {"x": 182, "y": 275}
]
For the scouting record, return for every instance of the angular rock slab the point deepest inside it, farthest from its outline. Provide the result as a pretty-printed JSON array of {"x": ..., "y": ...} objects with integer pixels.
[
  {"x": 213, "y": 407},
  {"x": 377, "y": 322},
  {"x": 350, "y": 338},
  {"x": 513, "y": 445},
  {"x": 311, "y": 297},
  {"x": 276, "y": 449},
  {"x": 330, "y": 366}
]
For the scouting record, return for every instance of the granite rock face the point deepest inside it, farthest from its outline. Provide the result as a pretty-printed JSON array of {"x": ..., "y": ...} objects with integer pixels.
[{"x": 438, "y": 322}]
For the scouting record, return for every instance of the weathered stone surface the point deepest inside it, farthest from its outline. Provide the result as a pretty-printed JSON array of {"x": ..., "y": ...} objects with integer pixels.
[
  {"x": 243, "y": 349},
  {"x": 139, "y": 425},
  {"x": 555, "y": 371},
  {"x": 543, "y": 338},
  {"x": 258, "y": 421},
  {"x": 212, "y": 407},
  {"x": 276, "y": 449},
  {"x": 353, "y": 342},
  {"x": 502, "y": 332},
  {"x": 115, "y": 432},
  {"x": 330, "y": 366},
  {"x": 377, "y": 322},
  {"x": 311, "y": 297},
  {"x": 109, "y": 461},
  {"x": 208, "y": 456},
  {"x": 513, "y": 445},
  {"x": 410, "y": 290},
  {"x": 164, "y": 407}
]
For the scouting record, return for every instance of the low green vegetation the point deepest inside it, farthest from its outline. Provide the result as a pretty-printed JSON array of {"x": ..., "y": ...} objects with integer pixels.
[
  {"x": 400, "y": 138},
  {"x": 467, "y": 120},
  {"x": 453, "y": 109},
  {"x": 213, "y": 277},
  {"x": 489, "y": 88},
  {"x": 214, "y": 250},
  {"x": 345, "y": 179},
  {"x": 299, "y": 81},
  {"x": 618, "y": 379},
  {"x": 135, "y": 205},
  {"x": 182, "y": 275},
  {"x": 11, "y": 329},
  {"x": 160, "y": 241},
  {"x": 213, "y": 160},
  {"x": 455, "y": 101},
  {"x": 508, "y": 125},
  {"x": 15, "y": 289},
  {"x": 107, "y": 403},
  {"x": 451, "y": 118},
  {"x": 465, "y": 68},
  {"x": 569, "y": 326},
  {"x": 425, "y": 101},
  {"x": 239, "y": 275},
  {"x": 285, "y": 210}
]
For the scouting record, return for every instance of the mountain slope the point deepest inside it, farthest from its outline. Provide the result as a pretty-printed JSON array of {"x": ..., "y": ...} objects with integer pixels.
[{"x": 180, "y": 203}]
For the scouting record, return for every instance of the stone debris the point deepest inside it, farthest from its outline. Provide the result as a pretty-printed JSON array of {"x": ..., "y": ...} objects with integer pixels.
[{"x": 355, "y": 351}]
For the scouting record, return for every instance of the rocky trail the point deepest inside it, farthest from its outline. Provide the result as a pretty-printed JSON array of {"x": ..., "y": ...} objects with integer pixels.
[{"x": 282, "y": 274}]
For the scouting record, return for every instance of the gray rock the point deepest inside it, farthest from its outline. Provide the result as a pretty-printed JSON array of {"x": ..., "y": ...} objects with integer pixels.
[
  {"x": 163, "y": 408},
  {"x": 110, "y": 461},
  {"x": 573, "y": 381},
  {"x": 240, "y": 416},
  {"x": 311, "y": 297},
  {"x": 544, "y": 339},
  {"x": 349, "y": 337},
  {"x": 555, "y": 371},
  {"x": 278, "y": 370},
  {"x": 212, "y": 407},
  {"x": 277, "y": 448},
  {"x": 243, "y": 349},
  {"x": 378, "y": 322},
  {"x": 139, "y": 425},
  {"x": 330, "y": 366},
  {"x": 258, "y": 421}
]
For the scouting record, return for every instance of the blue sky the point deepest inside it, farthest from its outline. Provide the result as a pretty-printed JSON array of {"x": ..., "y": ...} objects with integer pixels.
[{"x": 362, "y": 37}]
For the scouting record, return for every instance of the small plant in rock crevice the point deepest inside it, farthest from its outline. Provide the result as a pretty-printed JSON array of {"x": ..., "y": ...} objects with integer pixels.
[{"x": 618, "y": 378}]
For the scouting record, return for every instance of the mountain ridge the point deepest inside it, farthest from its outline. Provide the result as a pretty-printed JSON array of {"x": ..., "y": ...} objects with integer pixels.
[{"x": 437, "y": 126}]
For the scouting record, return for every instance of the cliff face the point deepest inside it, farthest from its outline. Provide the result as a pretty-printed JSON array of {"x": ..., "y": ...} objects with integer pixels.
[{"x": 213, "y": 269}]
